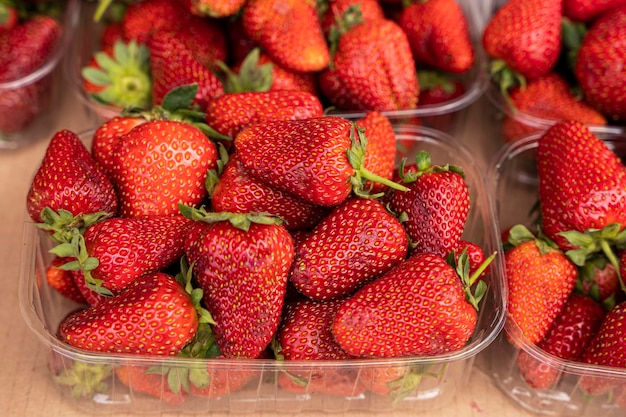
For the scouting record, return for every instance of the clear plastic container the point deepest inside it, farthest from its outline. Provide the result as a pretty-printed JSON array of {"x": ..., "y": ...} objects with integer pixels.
[
  {"x": 448, "y": 117},
  {"x": 443, "y": 376},
  {"x": 514, "y": 185},
  {"x": 41, "y": 89}
]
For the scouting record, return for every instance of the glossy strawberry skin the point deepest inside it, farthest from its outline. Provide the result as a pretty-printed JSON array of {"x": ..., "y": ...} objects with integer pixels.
[
  {"x": 584, "y": 182},
  {"x": 160, "y": 164},
  {"x": 588, "y": 10},
  {"x": 244, "y": 276},
  {"x": 374, "y": 321},
  {"x": 380, "y": 156},
  {"x": 356, "y": 242},
  {"x": 568, "y": 338},
  {"x": 384, "y": 78},
  {"x": 106, "y": 137},
  {"x": 142, "y": 19},
  {"x": 152, "y": 316},
  {"x": 68, "y": 178},
  {"x": 127, "y": 248}
]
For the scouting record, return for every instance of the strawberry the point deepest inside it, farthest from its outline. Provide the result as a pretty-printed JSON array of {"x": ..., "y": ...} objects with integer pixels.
[
  {"x": 381, "y": 147},
  {"x": 437, "y": 88},
  {"x": 91, "y": 296},
  {"x": 223, "y": 380},
  {"x": 475, "y": 254},
  {"x": 331, "y": 12},
  {"x": 174, "y": 64},
  {"x": 599, "y": 279},
  {"x": 319, "y": 159},
  {"x": 69, "y": 187},
  {"x": 63, "y": 281},
  {"x": 525, "y": 36},
  {"x": 568, "y": 338},
  {"x": 144, "y": 18},
  {"x": 384, "y": 78},
  {"x": 161, "y": 155},
  {"x": 600, "y": 67},
  {"x": 343, "y": 382},
  {"x": 213, "y": 47},
  {"x": 237, "y": 191},
  {"x": 546, "y": 97},
  {"x": 438, "y": 32},
  {"x": 214, "y": 8},
  {"x": 154, "y": 307},
  {"x": 436, "y": 205},
  {"x": 112, "y": 32},
  {"x": 588, "y": 10},
  {"x": 231, "y": 113},
  {"x": 374, "y": 323},
  {"x": 242, "y": 271},
  {"x": 540, "y": 279},
  {"x": 106, "y": 137},
  {"x": 395, "y": 381},
  {"x": 582, "y": 191},
  {"x": 356, "y": 242},
  {"x": 606, "y": 349},
  {"x": 143, "y": 379},
  {"x": 289, "y": 31}
]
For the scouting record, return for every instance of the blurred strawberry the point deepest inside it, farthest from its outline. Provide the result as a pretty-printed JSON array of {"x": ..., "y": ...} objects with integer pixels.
[
  {"x": 331, "y": 12},
  {"x": 214, "y": 8},
  {"x": 144, "y": 18},
  {"x": 588, "y": 10}
]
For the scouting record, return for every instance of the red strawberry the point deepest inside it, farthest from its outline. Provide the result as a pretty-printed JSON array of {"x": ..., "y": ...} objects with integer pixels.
[
  {"x": 160, "y": 164},
  {"x": 475, "y": 254},
  {"x": 289, "y": 31},
  {"x": 394, "y": 381},
  {"x": 384, "y": 78},
  {"x": 540, "y": 280},
  {"x": 214, "y": 8},
  {"x": 588, "y": 10},
  {"x": 69, "y": 180},
  {"x": 63, "y": 281},
  {"x": 607, "y": 349},
  {"x": 319, "y": 159},
  {"x": 436, "y": 205},
  {"x": 213, "y": 47},
  {"x": 144, "y": 18},
  {"x": 549, "y": 98},
  {"x": 140, "y": 379},
  {"x": 381, "y": 147},
  {"x": 91, "y": 296},
  {"x": 525, "y": 35},
  {"x": 601, "y": 64},
  {"x": 243, "y": 273},
  {"x": 437, "y": 88},
  {"x": 129, "y": 248},
  {"x": 358, "y": 241},
  {"x": 340, "y": 381},
  {"x": 154, "y": 308},
  {"x": 371, "y": 322},
  {"x": 582, "y": 187},
  {"x": 599, "y": 279},
  {"x": 332, "y": 12},
  {"x": 112, "y": 32},
  {"x": 568, "y": 338},
  {"x": 231, "y": 113},
  {"x": 438, "y": 32},
  {"x": 237, "y": 191},
  {"x": 106, "y": 137},
  {"x": 173, "y": 64}
]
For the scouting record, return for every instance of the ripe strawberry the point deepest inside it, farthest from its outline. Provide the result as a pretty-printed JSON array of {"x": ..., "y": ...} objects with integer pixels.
[
  {"x": 236, "y": 191},
  {"x": 370, "y": 323},
  {"x": 568, "y": 338},
  {"x": 599, "y": 279},
  {"x": 213, "y": 47},
  {"x": 339, "y": 381},
  {"x": 70, "y": 184},
  {"x": 383, "y": 79},
  {"x": 106, "y": 137},
  {"x": 436, "y": 205},
  {"x": 112, "y": 32},
  {"x": 91, "y": 296},
  {"x": 331, "y": 12},
  {"x": 160, "y": 164},
  {"x": 394, "y": 381},
  {"x": 583, "y": 187},
  {"x": 173, "y": 64},
  {"x": 437, "y": 88},
  {"x": 356, "y": 242},
  {"x": 588, "y": 10},
  {"x": 243, "y": 273},
  {"x": 525, "y": 36},
  {"x": 214, "y": 8},
  {"x": 63, "y": 281},
  {"x": 141, "y": 379},
  {"x": 438, "y": 32},
  {"x": 601, "y": 64},
  {"x": 155, "y": 307},
  {"x": 20, "y": 106},
  {"x": 381, "y": 147},
  {"x": 231, "y": 113},
  {"x": 320, "y": 159},
  {"x": 144, "y": 18},
  {"x": 289, "y": 31},
  {"x": 540, "y": 280},
  {"x": 607, "y": 349},
  {"x": 547, "y": 97}
]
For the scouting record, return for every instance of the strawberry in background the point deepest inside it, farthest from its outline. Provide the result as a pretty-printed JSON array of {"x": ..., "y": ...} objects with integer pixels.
[{"x": 588, "y": 10}]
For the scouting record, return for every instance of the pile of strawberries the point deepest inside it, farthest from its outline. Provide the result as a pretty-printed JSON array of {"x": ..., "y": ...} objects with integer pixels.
[
  {"x": 30, "y": 34},
  {"x": 566, "y": 271},
  {"x": 558, "y": 60},
  {"x": 354, "y": 55},
  {"x": 294, "y": 239}
]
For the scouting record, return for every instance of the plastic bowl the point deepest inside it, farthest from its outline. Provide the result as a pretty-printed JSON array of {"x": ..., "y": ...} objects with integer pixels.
[
  {"x": 447, "y": 116},
  {"x": 41, "y": 88},
  {"x": 443, "y": 376},
  {"x": 515, "y": 190}
]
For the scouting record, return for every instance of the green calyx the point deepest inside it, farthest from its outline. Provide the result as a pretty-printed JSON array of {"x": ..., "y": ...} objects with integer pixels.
[
  {"x": 424, "y": 165},
  {"x": 252, "y": 76},
  {"x": 62, "y": 225},
  {"x": 429, "y": 79},
  {"x": 239, "y": 220},
  {"x": 213, "y": 176},
  {"x": 85, "y": 379},
  {"x": 504, "y": 77},
  {"x": 350, "y": 19},
  {"x": 356, "y": 157},
  {"x": 125, "y": 76},
  {"x": 474, "y": 288}
]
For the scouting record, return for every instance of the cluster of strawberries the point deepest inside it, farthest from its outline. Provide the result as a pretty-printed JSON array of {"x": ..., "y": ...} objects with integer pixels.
[{"x": 558, "y": 60}]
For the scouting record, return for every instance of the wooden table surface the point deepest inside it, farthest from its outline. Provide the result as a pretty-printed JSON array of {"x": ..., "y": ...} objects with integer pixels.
[{"x": 26, "y": 387}]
